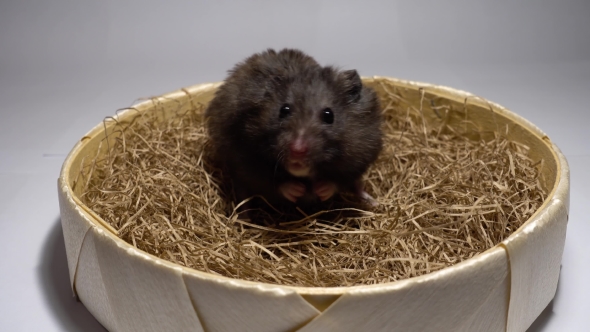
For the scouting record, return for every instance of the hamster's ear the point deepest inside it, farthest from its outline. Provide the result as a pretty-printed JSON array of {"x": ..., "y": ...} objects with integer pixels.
[{"x": 351, "y": 85}]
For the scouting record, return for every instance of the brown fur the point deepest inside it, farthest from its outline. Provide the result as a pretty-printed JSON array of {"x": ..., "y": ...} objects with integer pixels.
[{"x": 250, "y": 141}]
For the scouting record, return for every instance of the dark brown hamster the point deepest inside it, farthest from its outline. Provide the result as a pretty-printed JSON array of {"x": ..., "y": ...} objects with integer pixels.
[{"x": 288, "y": 129}]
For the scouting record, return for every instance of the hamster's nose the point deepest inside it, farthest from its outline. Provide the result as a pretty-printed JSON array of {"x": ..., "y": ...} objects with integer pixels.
[{"x": 298, "y": 148}]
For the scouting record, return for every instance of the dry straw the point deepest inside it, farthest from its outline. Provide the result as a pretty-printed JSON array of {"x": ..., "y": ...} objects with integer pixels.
[{"x": 443, "y": 198}]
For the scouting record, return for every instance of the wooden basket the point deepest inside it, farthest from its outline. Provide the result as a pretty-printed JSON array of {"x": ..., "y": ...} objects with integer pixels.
[{"x": 503, "y": 289}]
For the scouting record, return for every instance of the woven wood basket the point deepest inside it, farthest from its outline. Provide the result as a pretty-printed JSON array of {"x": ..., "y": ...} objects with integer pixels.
[{"x": 503, "y": 289}]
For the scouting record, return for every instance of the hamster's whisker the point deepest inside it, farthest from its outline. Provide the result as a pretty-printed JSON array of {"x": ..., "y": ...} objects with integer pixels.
[{"x": 280, "y": 157}]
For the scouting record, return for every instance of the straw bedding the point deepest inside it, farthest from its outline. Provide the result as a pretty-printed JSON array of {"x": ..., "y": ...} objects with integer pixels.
[{"x": 443, "y": 198}]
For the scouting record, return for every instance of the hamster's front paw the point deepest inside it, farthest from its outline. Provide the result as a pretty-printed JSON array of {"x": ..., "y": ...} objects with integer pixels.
[
  {"x": 324, "y": 190},
  {"x": 368, "y": 199},
  {"x": 363, "y": 195},
  {"x": 292, "y": 190}
]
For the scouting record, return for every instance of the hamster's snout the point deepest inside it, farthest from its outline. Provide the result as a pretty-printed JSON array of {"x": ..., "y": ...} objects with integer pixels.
[
  {"x": 298, "y": 148},
  {"x": 297, "y": 163}
]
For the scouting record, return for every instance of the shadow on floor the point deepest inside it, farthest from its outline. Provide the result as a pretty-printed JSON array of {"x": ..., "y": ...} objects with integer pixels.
[{"x": 54, "y": 278}]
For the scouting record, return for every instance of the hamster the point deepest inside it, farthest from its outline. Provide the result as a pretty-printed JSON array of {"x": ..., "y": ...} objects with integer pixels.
[{"x": 290, "y": 130}]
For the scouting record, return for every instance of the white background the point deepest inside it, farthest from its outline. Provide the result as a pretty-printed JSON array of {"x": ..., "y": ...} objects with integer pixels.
[{"x": 65, "y": 65}]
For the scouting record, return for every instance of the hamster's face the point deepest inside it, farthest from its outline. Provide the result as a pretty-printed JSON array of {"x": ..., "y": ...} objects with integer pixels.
[
  {"x": 312, "y": 119},
  {"x": 310, "y": 124}
]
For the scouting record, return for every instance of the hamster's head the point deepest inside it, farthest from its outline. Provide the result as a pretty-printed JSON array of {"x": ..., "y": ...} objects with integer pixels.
[{"x": 321, "y": 122}]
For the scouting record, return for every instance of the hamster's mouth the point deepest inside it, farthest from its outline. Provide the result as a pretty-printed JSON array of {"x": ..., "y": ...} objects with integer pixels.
[{"x": 298, "y": 167}]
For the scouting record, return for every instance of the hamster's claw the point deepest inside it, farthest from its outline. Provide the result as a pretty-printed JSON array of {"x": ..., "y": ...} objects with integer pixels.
[
  {"x": 324, "y": 190},
  {"x": 368, "y": 198},
  {"x": 292, "y": 190},
  {"x": 360, "y": 191}
]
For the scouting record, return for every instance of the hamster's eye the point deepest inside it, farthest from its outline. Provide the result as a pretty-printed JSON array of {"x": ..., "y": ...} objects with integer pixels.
[
  {"x": 285, "y": 111},
  {"x": 327, "y": 116}
]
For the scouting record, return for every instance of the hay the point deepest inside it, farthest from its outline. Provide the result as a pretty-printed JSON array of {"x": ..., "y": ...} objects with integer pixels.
[{"x": 443, "y": 198}]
